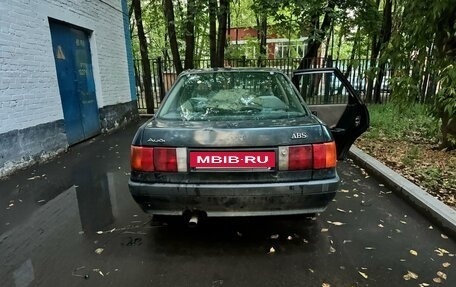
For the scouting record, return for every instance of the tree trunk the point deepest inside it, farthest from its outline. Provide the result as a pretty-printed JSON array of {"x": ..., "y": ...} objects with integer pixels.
[
  {"x": 145, "y": 63},
  {"x": 375, "y": 50},
  {"x": 350, "y": 63},
  {"x": 262, "y": 31},
  {"x": 320, "y": 34},
  {"x": 169, "y": 16},
  {"x": 222, "y": 25},
  {"x": 213, "y": 32},
  {"x": 385, "y": 35},
  {"x": 190, "y": 34}
]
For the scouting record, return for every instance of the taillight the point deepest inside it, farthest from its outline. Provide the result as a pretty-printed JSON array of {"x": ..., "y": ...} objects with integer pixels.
[
  {"x": 142, "y": 158},
  {"x": 161, "y": 159},
  {"x": 165, "y": 159},
  {"x": 324, "y": 155},
  {"x": 302, "y": 157}
]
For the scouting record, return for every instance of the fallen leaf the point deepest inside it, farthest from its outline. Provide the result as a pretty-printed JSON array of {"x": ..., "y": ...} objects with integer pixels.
[
  {"x": 274, "y": 236},
  {"x": 402, "y": 260},
  {"x": 341, "y": 210},
  {"x": 446, "y": 264},
  {"x": 380, "y": 225},
  {"x": 444, "y": 236},
  {"x": 355, "y": 195},
  {"x": 325, "y": 285},
  {"x": 442, "y": 275},
  {"x": 403, "y": 222},
  {"x": 369, "y": 248},
  {"x": 430, "y": 227},
  {"x": 347, "y": 241},
  {"x": 272, "y": 250},
  {"x": 305, "y": 241},
  {"x": 332, "y": 249},
  {"x": 424, "y": 285},
  {"x": 336, "y": 223},
  {"x": 410, "y": 275},
  {"x": 344, "y": 190},
  {"x": 100, "y": 232},
  {"x": 437, "y": 280},
  {"x": 217, "y": 283},
  {"x": 324, "y": 230},
  {"x": 441, "y": 251},
  {"x": 99, "y": 250},
  {"x": 413, "y": 252},
  {"x": 290, "y": 238},
  {"x": 363, "y": 274},
  {"x": 311, "y": 270}
]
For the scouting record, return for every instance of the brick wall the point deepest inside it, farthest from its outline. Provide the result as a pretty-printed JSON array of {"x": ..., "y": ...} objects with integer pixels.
[{"x": 29, "y": 93}]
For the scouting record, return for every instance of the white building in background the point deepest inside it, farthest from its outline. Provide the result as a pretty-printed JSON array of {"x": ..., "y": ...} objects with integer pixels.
[{"x": 66, "y": 74}]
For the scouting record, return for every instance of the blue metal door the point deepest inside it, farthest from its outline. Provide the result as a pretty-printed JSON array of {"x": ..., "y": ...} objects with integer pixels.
[{"x": 75, "y": 77}]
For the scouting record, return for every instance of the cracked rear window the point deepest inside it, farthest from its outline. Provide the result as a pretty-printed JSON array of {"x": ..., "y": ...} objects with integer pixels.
[{"x": 232, "y": 96}]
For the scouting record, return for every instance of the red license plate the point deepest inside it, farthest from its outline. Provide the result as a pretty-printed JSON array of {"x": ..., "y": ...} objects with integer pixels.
[{"x": 232, "y": 159}]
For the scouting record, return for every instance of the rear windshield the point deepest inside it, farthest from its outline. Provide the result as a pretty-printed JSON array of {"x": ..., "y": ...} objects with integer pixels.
[{"x": 232, "y": 96}]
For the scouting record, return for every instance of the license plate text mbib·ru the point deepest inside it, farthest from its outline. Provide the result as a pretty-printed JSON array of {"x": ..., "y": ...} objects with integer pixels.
[{"x": 232, "y": 159}]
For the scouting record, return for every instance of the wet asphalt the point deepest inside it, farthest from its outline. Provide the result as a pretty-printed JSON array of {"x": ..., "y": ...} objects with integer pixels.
[{"x": 72, "y": 222}]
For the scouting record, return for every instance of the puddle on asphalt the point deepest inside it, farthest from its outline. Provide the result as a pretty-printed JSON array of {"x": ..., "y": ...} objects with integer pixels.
[{"x": 69, "y": 223}]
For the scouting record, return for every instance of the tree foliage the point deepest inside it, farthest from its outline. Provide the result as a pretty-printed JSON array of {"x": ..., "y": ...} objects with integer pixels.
[
  {"x": 414, "y": 41},
  {"x": 424, "y": 41}
]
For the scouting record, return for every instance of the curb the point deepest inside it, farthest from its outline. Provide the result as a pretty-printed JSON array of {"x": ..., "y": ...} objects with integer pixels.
[{"x": 438, "y": 212}]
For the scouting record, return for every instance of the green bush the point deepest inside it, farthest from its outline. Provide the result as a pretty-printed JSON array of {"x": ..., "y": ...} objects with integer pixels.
[{"x": 412, "y": 123}]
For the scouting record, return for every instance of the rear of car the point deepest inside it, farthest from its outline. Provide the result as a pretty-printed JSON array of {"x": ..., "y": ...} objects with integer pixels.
[{"x": 233, "y": 143}]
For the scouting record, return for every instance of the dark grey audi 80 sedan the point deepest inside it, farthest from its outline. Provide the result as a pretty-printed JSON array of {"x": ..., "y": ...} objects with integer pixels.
[{"x": 246, "y": 142}]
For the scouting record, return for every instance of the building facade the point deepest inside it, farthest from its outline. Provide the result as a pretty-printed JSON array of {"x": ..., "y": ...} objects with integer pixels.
[
  {"x": 277, "y": 47},
  {"x": 66, "y": 75}
]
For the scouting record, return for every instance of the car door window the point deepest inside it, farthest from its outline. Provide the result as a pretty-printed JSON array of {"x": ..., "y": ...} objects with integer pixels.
[
  {"x": 326, "y": 95},
  {"x": 334, "y": 101}
]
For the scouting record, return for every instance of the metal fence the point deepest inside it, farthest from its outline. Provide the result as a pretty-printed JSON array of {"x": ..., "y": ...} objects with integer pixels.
[{"x": 164, "y": 74}]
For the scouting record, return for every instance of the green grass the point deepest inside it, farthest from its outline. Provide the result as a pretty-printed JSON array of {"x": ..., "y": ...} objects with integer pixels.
[
  {"x": 411, "y": 156},
  {"x": 407, "y": 141},
  {"x": 412, "y": 123},
  {"x": 432, "y": 177}
]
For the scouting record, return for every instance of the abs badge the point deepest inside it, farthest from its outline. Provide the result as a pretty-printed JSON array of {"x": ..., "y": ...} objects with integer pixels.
[{"x": 296, "y": 136}]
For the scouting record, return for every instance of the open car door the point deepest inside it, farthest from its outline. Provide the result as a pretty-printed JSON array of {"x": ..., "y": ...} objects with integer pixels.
[{"x": 333, "y": 100}]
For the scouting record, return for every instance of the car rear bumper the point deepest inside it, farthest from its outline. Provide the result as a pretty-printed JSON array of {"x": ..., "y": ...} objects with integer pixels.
[{"x": 222, "y": 200}]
